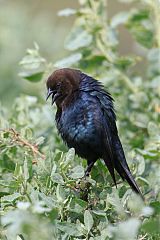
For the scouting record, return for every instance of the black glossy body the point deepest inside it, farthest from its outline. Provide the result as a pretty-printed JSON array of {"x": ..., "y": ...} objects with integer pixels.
[{"x": 87, "y": 122}]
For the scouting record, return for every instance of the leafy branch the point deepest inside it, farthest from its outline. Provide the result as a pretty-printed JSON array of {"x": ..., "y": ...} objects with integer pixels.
[{"x": 15, "y": 137}]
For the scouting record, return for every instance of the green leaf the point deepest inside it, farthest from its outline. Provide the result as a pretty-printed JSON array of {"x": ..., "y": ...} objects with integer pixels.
[
  {"x": 68, "y": 61},
  {"x": 140, "y": 120},
  {"x": 20, "y": 237},
  {"x": 147, "y": 154},
  {"x": 32, "y": 77},
  {"x": 153, "y": 129},
  {"x": 60, "y": 193},
  {"x": 114, "y": 200},
  {"x": 139, "y": 25},
  {"x": 156, "y": 206},
  {"x": 78, "y": 205},
  {"x": 78, "y": 38},
  {"x": 151, "y": 226},
  {"x": 119, "y": 18},
  {"x": 39, "y": 141},
  {"x": 155, "y": 83},
  {"x": 66, "y": 12},
  {"x": 25, "y": 170},
  {"x": 18, "y": 170},
  {"x": 57, "y": 178},
  {"x": 32, "y": 60},
  {"x": 91, "y": 62},
  {"x": 69, "y": 228},
  {"x": 99, "y": 212},
  {"x": 27, "y": 132},
  {"x": 143, "y": 180},
  {"x": 141, "y": 165},
  {"x": 69, "y": 157},
  {"x": 49, "y": 201},
  {"x": 88, "y": 220},
  {"x": 11, "y": 198},
  {"x": 124, "y": 62},
  {"x": 77, "y": 172}
]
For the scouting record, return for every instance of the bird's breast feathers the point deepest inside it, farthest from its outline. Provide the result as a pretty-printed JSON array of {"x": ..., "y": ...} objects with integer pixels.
[{"x": 81, "y": 121}]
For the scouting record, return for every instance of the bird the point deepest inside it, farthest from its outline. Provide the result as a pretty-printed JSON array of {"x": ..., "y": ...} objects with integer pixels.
[{"x": 86, "y": 121}]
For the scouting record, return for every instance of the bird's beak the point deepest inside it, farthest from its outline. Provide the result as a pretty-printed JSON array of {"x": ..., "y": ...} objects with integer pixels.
[
  {"x": 54, "y": 94},
  {"x": 49, "y": 93},
  {"x": 54, "y": 97}
]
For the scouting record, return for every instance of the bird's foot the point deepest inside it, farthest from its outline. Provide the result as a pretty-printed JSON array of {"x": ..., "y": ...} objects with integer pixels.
[
  {"x": 88, "y": 169},
  {"x": 86, "y": 174},
  {"x": 83, "y": 187}
]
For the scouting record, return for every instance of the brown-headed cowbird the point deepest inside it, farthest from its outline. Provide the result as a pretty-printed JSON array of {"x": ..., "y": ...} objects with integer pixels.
[{"x": 86, "y": 121}]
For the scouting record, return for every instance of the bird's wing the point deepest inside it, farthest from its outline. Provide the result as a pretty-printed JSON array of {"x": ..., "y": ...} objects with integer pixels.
[
  {"x": 108, "y": 128},
  {"x": 94, "y": 88},
  {"x": 113, "y": 152}
]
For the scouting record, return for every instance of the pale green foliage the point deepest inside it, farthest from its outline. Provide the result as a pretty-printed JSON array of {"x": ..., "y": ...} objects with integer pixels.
[{"x": 42, "y": 195}]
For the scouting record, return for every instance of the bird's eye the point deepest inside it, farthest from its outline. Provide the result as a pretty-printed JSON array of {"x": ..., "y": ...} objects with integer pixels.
[{"x": 58, "y": 85}]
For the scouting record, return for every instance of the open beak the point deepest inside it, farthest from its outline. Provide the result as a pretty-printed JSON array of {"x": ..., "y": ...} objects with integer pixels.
[
  {"x": 50, "y": 92},
  {"x": 54, "y": 94},
  {"x": 54, "y": 97}
]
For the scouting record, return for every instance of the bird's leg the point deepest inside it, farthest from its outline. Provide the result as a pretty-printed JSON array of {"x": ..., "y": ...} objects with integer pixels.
[
  {"x": 83, "y": 184},
  {"x": 88, "y": 169}
]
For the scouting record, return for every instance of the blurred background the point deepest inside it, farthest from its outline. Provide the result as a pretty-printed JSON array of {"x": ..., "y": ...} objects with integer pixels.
[
  {"x": 24, "y": 22},
  {"x": 21, "y": 24}
]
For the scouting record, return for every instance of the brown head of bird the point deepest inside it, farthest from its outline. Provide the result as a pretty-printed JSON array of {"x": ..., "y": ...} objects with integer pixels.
[{"x": 61, "y": 85}]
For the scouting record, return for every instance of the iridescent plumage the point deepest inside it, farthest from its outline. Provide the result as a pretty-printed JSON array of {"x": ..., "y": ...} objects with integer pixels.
[{"x": 86, "y": 121}]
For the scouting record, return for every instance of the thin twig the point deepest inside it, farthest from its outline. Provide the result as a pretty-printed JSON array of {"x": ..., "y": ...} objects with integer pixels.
[{"x": 23, "y": 142}]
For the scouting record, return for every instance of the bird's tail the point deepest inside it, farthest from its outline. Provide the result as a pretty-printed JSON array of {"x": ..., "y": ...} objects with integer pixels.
[{"x": 125, "y": 174}]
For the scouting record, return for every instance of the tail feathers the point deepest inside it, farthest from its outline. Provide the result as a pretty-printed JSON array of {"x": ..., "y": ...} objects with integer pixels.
[
  {"x": 125, "y": 173},
  {"x": 110, "y": 167}
]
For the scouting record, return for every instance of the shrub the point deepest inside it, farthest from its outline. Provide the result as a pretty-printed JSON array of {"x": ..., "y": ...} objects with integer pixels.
[{"x": 42, "y": 196}]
